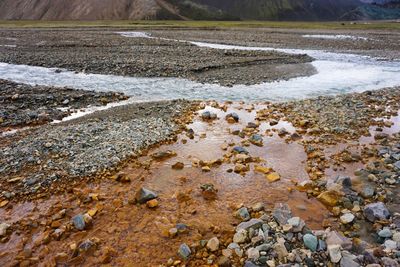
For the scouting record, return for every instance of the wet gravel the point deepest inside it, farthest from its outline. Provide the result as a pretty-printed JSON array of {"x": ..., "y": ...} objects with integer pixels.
[
  {"x": 107, "y": 52},
  {"x": 22, "y": 105},
  {"x": 86, "y": 146},
  {"x": 382, "y": 44},
  {"x": 330, "y": 118}
]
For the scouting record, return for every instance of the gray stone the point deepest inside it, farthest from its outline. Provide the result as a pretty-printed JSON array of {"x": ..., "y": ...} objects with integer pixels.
[
  {"x": 294, "y": 221},
  {"x": 256, "y": 139},
  {"x": 250, "y": 264},
  {"x": 184, "y": 251},
  {"x": 144, "y": 195},
  {"x": 348, "y": 260},
  {"x": 207, "y": 115},
  {"x": 233, "y": 115},
  {"x": 334, "y": 238},
  {"x": 282, "y": 213},
  {"x": 236, "y": 248},
  {"x": 390, "y": 244},
  {"x": 79, "y": 222},
  {"x": 397, "y": 165},
  {"x": 243, "y": 214},
  {"x": 310, "y": 241},
  {"x": 376, "y": 211},
  {"x": 367, "y": 191},
  {"x": 86, "y": 245},
  {"x": 321, "y": 245},
  {"x": 388, "y": 262},
  {"x": 240, "y": 150},
  {"x": 240, "y": 236},
  {"x": 385, "y": 233},
  {"x": 253, "y": 253},
  {"x": 251, "y": 224},
  {"x": 281, "y": 250},
  {"x": 334, "y": 253}
]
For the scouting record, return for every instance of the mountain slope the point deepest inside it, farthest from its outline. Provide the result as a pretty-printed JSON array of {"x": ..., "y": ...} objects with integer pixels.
[
  {"x": 308, "y": 10},
  {"x": 78, "y": 9}
]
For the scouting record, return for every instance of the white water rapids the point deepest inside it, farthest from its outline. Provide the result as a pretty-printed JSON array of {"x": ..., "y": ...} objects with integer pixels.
[{"x": 337, "y": 73}]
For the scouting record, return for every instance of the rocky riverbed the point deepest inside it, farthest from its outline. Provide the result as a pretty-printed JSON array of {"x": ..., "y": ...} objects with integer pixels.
[
  {"x": 25, "y": 105},
  {"x": 382, "y": 44},
  {"x": 210, "y": 195},
  {"x": 32, "y": 160},
  {"x": 107, "y": 52}
]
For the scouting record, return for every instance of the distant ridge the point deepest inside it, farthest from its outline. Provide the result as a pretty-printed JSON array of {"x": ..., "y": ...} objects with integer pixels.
[{"x": 303, "y": 10}]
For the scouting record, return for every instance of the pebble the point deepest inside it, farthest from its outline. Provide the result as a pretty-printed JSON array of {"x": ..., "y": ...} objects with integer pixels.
[
  {"x": 178, "y": 166},
  {"x": 184, "y": 251},
  {"x": 3, "y": 229},
  {"x": 334, "y": 253},
  {"x": 396, "y": 237},
  {"x": 282, "y": 213},
  {"x": 251, "y": 224},
  {"x": 294, "y": 221},
  {"x": 208, "y": 115},
  {"x": 232, "y": 117},
  {"x": 368, "y": 191},
  {"x": 223, "y": 262},
  {"x": 310, "y": 241},
  {"x": 347, "y": 218},
  {"x": 240, "y": 150},
  {"x": 143, "y": 195},
  {"x": 79, "y": 222},
  {"x": 390, "y": 244},
  {"x": 243, "y": 214},
  {"x": 253, "y": 253},
  {"x": 385, "y": 233},
  {"x": 376, "y": 211},
  {"x": 213, "y": 244},
  {"x": 152, "y": 203},
  {"x": 273, "y": 177}
]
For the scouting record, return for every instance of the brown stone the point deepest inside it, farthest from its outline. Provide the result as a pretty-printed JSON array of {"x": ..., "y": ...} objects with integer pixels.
[
  {"x": 329, "y": 198},
  {"x": 178, "y": 166}
]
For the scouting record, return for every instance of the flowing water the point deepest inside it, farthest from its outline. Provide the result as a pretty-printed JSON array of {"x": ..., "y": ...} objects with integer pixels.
[{"x": 337, "y": 73}]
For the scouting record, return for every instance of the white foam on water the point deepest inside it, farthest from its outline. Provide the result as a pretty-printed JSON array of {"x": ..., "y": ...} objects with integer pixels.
[
  {"x": 335, "y": 37},
  {"x": 337, "y": 73},
  {"x": 85, "y": 111},
  {"x": 135, "y": 34},
  {"x": 8, "y": 45}
]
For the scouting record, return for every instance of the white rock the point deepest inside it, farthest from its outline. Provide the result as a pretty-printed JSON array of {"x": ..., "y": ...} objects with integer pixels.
[
  {"x": 271, "y": 263},
  {"x": 294, "y": 221},
  {"x": 253, "y": 253},
  {"x": 240, "y": 236},
  {"x": 347, "y": 218},
  {"x": 213, "y": 244},
  {"x": 3, "y": 229},
  {"x": 334, "y": 253},
  {"x": 396, "y": 237}
]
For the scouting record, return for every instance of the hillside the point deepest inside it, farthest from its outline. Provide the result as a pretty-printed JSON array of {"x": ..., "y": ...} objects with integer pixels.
[{"x": 307, "y": 10}]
